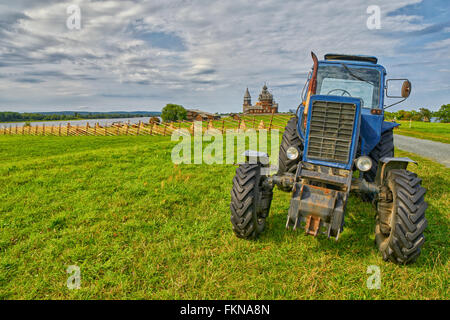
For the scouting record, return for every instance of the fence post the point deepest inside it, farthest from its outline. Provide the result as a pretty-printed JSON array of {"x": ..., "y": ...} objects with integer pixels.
[
  {"x": 271, "y": 119},
  {"x": 59, "y": 130},
  {"x": 43, "y": 129},
  {"x": 223, "y": 125},
  {"x": 164, "y": 130},
  {"x": 126, "y": 132},
  {"x": 36, "y": 130},
  {"x": 68, "y": 126},
  {"x": 87, "y": 127},
  {"x": 95, "y": 129},
  {"x": 23, "y": 129},
  {"x": 51, "y": 130}
]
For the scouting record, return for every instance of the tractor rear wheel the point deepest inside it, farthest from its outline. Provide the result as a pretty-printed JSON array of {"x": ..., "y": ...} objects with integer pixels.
[
  {"x": 384, "y": 148},
  {"x": 290, "y": 139},
  {"x": 400, "y": 220},
  {"x": 250, "y": 201}
]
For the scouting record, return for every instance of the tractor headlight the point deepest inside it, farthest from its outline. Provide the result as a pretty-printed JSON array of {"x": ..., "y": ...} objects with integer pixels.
[
  {"x": 292, "y": 153},
  {"x": 364, "y": 163}
]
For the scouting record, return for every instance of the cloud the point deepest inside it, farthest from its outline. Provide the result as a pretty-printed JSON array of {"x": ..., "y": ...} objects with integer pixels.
[
  {"x": 439, "y": 44},
  {"x": 195, "y": 52},
  {"x": 28, "y": 80}
]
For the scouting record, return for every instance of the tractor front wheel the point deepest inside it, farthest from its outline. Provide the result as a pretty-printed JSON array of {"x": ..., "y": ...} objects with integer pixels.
[
  {"x": 250, "y": 201},
  {"x": 400, "y": 220}
]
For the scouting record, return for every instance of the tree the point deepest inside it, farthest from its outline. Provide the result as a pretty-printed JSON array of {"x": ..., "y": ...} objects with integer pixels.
[
  {"x": 444, "y": 113},
  {"x": 173, "y": 112},
  {"x": 415, "y": 116},
  {"x": 425, "y": 114},
  {"x": 401, "y": 115}
]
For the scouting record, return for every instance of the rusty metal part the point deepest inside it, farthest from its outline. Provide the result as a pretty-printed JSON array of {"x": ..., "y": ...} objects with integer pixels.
[
  {"x": 294, "y": 208},
  {"x": 312, "y": 225},
  {"x": 320, "y": 192},
  {"x": 322, "y": 177},
  {"x": 385, "y": 195},
  {"x": 384, "y": 210},
  {"x": 312, "y": 83},
  {"x": 388, "y": 163},
  {"x": 317, "y": 201},
  {"x": 340, "y": 178},
  {"x": 363, "y": 186},
  {"x": 285, "y": 181}
]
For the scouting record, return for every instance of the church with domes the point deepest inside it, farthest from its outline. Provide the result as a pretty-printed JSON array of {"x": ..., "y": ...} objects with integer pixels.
[{"x": 265, "y": 104}]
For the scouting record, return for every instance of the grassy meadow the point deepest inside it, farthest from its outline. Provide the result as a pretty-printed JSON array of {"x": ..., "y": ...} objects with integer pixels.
[
  {"x": 439, "y": 132},
  {"x": 140, "y": 227}
]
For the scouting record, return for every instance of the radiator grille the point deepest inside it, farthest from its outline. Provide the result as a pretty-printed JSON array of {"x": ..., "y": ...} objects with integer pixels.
[{"x": 330, "y": 131}]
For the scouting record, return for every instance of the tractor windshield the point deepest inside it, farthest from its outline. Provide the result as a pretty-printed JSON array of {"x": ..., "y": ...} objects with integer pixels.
[{"x": 350, "y": 81}]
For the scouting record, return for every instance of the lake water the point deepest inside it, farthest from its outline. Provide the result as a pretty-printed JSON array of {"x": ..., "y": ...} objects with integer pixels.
[{"x": 92, "y": 122}]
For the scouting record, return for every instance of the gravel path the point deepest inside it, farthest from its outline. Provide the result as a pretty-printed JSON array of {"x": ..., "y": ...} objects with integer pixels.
[{"x": 437, "y": 151}]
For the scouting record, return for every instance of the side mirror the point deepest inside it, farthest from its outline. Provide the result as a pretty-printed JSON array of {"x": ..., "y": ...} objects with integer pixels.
[
  {"x": 393, "y": 87},
  {"x": 406, "y": 89}
]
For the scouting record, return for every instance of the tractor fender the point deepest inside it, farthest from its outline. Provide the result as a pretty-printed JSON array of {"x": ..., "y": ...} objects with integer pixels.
[
  {"x": 256, "y": 157},
  {"x": 261, "y": 159},
  {"x": 387, "y": 164},
  {"x": 386, "y": 126}
]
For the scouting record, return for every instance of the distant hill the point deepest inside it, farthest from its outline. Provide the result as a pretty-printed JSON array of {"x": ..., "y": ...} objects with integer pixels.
[{"x": 71, "y": 113}]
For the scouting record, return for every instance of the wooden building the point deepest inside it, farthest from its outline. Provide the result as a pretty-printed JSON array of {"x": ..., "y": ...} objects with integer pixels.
[
  {"x": 265, "y": 104},
  {"x": 198, "y": 115}
]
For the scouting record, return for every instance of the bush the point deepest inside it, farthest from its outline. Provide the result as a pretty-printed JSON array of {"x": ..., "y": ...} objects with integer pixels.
[{"x": 173, "y": 112}]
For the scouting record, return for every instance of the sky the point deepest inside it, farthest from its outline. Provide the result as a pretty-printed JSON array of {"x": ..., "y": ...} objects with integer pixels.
[{"x": 140, "y": 55}]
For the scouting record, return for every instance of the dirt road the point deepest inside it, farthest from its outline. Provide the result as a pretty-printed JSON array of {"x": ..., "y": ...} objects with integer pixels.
[{"x": 440, "y": 152}]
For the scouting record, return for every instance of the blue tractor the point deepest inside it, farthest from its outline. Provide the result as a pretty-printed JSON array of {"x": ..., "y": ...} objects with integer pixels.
[{"x": 336, "y": 143}]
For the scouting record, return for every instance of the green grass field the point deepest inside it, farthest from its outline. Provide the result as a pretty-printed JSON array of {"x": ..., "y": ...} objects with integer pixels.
[
  {"x": 141, "y": 228},
  {"x": 439, "y": 132}
]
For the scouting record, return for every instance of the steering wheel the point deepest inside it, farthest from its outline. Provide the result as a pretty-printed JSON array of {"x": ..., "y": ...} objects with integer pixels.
[{"x": 343, "y": 92}]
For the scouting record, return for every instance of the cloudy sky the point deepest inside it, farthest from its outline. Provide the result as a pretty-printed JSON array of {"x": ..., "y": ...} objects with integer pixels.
[{"x": 140, "y": 55}]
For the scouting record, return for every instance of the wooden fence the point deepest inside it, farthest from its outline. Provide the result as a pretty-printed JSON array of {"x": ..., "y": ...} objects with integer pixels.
[{"x": 268, "y": 122}]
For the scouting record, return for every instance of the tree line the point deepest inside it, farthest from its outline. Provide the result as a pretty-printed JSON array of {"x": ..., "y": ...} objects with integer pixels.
[
  {"x": 424, "y": 114},
  {"x": 19, "y": 117}
]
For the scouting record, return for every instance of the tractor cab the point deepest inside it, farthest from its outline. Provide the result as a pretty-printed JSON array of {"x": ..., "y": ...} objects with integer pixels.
[{"x": 359, "y": 77}]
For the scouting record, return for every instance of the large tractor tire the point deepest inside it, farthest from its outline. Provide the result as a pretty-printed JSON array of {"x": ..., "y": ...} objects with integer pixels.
[
  {"x": 250, "y": 201},
  {"x": 290, "y": 139},
  {"x": 400, "y": 220},
  {"x": 384, "y": 148}
]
